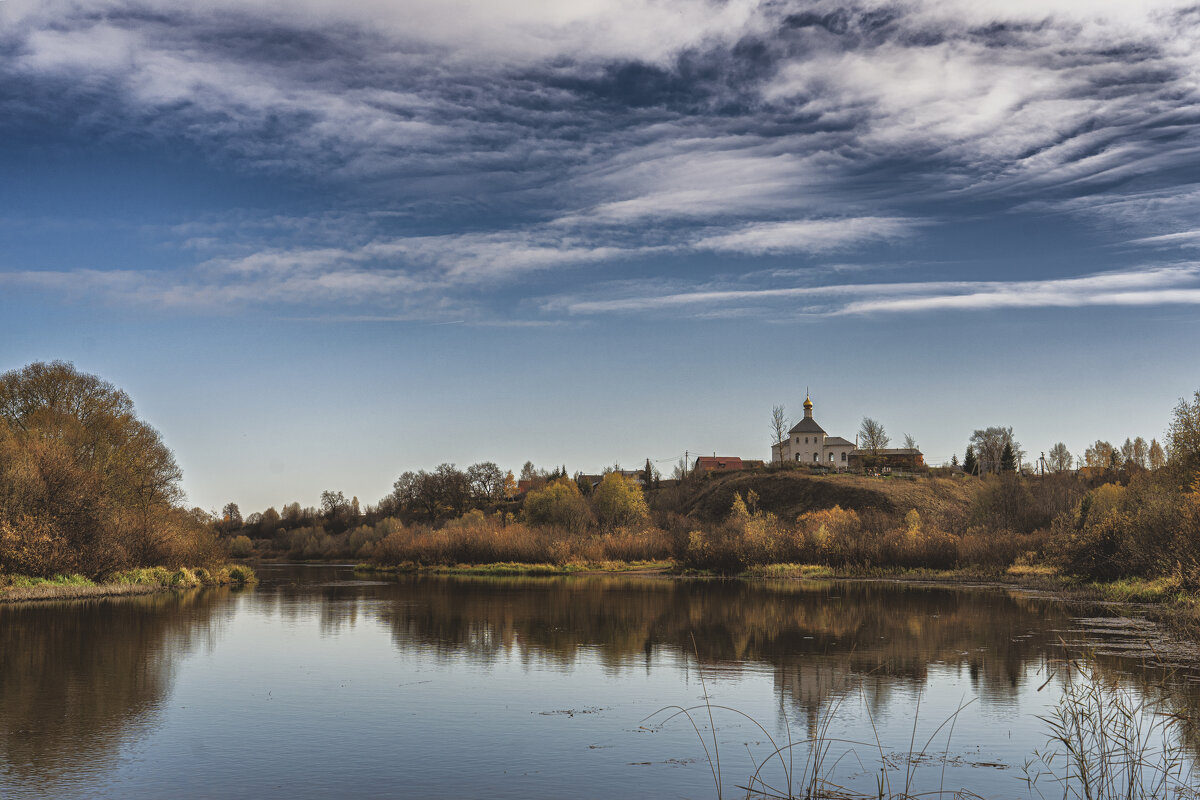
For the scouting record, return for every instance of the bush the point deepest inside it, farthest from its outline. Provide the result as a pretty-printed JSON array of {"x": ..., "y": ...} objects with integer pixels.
[
  {"x": 619, "y": 502},
  {"x": 241, "y": 547},
  {"x": 558, "y": 505}
]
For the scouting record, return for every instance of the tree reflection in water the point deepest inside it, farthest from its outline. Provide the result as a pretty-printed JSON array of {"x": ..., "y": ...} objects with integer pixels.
[
  {"x": 77, "y": 678},
  {"x": 821, "y": 638}
]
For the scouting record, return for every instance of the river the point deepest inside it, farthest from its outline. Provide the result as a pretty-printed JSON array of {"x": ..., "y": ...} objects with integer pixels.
[{"x": 318, "y": 683}]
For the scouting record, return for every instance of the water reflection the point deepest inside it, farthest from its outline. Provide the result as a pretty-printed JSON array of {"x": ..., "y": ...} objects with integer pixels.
[
  {"x": 76, "y": 679},
  {"x": 345, "y": 685},
  {"x": 820, "y": 638}
]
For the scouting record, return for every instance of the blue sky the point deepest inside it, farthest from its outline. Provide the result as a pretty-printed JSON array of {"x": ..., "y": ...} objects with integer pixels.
[{"x": 321, "y": 243}]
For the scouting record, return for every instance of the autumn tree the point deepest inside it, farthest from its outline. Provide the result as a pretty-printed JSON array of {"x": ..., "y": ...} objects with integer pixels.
[
  {"x": 1100, "y": 455},
  {"x": 1156, "y": 456},
  {"x": 872, "y": 436},
  {"x": 619, "y": 502},
  {"x": 1183, "y": 439},
  {"x": 1060, "y": 459},
  {"x": 231, "y": 517},
  {"x": 85, "y": 486},
  {"x": 559, "y": 504}
]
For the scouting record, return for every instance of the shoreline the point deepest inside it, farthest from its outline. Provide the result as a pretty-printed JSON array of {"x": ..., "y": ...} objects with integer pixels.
[{"x": 130, "y": 583}]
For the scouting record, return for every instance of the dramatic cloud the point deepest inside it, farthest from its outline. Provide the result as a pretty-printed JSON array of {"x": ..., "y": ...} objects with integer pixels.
[{"x": 508, "y": 139}]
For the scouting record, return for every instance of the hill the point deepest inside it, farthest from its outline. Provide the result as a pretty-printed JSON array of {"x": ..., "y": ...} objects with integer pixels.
[{"x": 789, "y": 493}]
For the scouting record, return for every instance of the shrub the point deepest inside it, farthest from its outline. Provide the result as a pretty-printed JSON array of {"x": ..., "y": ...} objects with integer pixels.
[
  {"x": 619, "y": 502},
  {"x": 559, "y": 505},
  {"x": 241, "y": 547}
]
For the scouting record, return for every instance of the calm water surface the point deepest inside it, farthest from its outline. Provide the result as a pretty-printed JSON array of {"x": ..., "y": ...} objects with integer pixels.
[{"x": 315, "y": 684}]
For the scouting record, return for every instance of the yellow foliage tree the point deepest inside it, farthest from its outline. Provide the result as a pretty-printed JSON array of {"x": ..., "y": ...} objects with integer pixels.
[{"x": 619, "y": 502}]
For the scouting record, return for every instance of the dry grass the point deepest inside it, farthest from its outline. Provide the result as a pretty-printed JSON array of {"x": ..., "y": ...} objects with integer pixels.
[
  {"x": 476, "y": 539},
  {"x": 144, "y": 580}
]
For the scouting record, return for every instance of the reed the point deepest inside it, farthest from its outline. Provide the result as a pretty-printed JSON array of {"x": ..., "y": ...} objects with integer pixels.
[{"x": 1105, "y": 741}]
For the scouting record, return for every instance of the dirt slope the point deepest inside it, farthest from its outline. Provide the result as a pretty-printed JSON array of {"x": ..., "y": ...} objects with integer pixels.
[{"x": 790, "y": 493}]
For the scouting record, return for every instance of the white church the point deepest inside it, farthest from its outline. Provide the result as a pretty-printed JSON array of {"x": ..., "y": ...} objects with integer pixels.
[{"x": 808, "y": 443}]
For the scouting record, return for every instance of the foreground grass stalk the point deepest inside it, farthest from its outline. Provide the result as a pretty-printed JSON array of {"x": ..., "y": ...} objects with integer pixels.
[{"x": 1106, "y": 741}]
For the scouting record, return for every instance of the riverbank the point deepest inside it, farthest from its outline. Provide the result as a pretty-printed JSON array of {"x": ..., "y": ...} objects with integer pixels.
[{"x": 144, "y": 580}]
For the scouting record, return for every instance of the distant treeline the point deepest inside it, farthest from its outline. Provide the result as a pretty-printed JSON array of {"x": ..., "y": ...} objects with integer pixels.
[
  {"x": 86, "y": 487},
  {"x": 1118, "y": 518}
]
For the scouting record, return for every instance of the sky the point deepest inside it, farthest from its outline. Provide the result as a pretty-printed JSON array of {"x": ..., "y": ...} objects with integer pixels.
[{"x": 324, "y": 242}]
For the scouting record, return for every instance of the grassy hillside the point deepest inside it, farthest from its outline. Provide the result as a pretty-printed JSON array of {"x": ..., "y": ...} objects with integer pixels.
[{"x": 789, "y": 493}]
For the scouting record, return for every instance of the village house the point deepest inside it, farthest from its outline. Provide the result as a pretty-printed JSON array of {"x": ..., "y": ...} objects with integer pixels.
[{"x": 723, "y": 464}]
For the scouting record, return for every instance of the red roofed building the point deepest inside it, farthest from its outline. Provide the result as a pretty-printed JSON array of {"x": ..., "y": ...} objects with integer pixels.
[{"x": 718, "y": 464}]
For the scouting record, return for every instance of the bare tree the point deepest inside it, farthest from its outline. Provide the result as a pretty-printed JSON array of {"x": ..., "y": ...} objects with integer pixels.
[
  {"x": 910, "y": 443},
  {"x": 872, "y": 436},
  {"x": 487, "y": 481},
  {"x": 989, "y": 447},
  {"x": 779, "y": 426},
  {"x": 1060, "y": 458}
]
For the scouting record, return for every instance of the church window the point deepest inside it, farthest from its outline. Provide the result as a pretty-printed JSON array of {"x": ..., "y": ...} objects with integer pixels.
[
  {"x": 816, "y": 457},
  {"x": 843, "y": 455}
]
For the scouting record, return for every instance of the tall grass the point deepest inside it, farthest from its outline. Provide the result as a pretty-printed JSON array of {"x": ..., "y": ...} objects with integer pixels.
[
  {"x": 479, "y": 539},
  {"x": 1105, "y": 741},
  {"x": 1111, "y": 741}
]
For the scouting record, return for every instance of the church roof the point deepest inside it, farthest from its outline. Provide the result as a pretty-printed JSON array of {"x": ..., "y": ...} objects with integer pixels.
[
  {"x": 807, "y": 425},
  {"x": 837, "y": 441}
]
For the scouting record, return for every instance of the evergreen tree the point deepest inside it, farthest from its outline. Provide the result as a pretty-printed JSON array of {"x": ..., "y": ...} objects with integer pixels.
[
  {"x": 954, "y": 460},
  {"x": 1008, "y": 461},
  {"x": 970, "y": 464}
]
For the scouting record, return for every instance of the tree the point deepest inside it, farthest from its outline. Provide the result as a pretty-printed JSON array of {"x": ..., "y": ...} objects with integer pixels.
[
  {"x": 1156, "y": 456},
  {"x": 872, "y": 436},
  {"x": 650, "y": 475},
  {"x": 1008, "y": 460},
  {"x": 619, "y": 502},
  {"x": 1183, "y": 439},
  {"x": 559, "y": 505},
  {"x": 85, "y": 486},
  {"x": 954, "y": 459},
  {"x": 231, "y": 516},
  {"x": 1141, "y": 453},
  {"x": 1060, "y": 458},
  {"x": 779, "y": 427},
  {"x": 333, "y": 503},
  {"x": 270, "y": 521},
  {"x": 989, "y": 447},
  {"x": 970, "y": 463},
  {"x": 1100, "y": 455},
  {"x": 487, "y": 481},
  {"x": 910, "y": 443}
]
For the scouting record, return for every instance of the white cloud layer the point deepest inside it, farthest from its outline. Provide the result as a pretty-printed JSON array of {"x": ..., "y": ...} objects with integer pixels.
[{"x": 1164, "y": 285}]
